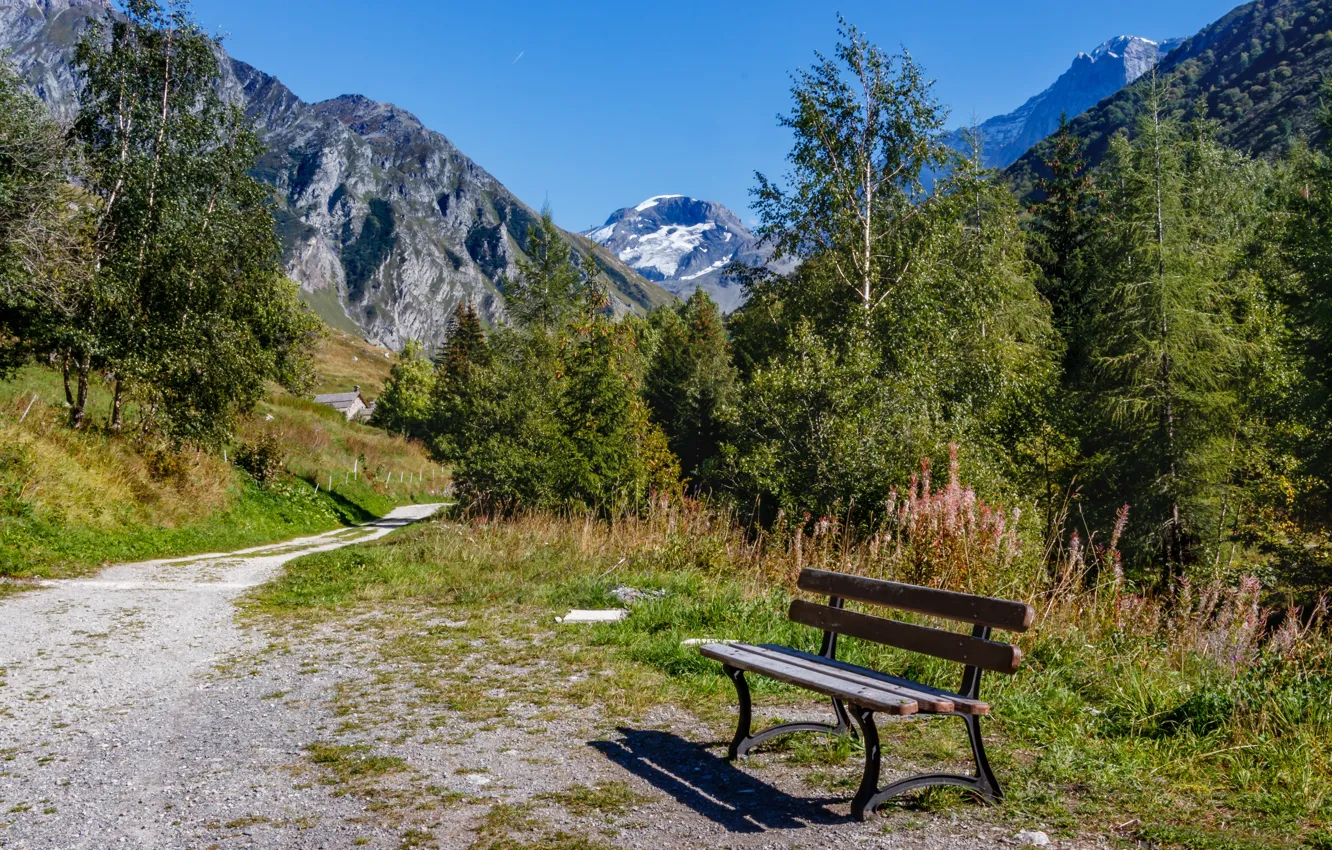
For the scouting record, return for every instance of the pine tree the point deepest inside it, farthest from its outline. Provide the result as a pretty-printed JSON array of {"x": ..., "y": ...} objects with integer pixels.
[
  {"x": 690, "y": 384},
  {"x": 1168, "y": 342},
  {"x": 547, "y": 288}
]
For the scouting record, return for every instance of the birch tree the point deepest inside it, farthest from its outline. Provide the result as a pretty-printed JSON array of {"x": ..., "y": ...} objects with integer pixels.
[
  {"x": 196, "y": 313},
  {"x": 867, "y": 129}
]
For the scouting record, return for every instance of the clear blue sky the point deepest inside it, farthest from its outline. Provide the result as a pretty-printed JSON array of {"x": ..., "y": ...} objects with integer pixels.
[{"x": 595, "y": 106}]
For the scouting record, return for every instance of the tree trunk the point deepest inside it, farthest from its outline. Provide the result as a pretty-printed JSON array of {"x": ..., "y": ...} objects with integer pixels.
[
  {"x": 116, "y": 402},
  {"x": 76, "y": 413},
  {"x": 1174, "y": 556},
  {"x": 64, "y": 372}
]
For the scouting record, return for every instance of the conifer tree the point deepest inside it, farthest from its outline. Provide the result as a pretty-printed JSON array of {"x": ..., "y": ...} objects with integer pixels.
[
  {"x": 690, "y": 384},
  {"x": 547, "y": 288},
  {"x": 1169, "y": 343},
  {"x": 1062, "y": 221},
  {"x": 1308, "y": 244},
  {"x": 459, "y": 382}
]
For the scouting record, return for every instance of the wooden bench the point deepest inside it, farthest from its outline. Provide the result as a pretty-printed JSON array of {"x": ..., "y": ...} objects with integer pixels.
[{"x": 865, "y": 691}]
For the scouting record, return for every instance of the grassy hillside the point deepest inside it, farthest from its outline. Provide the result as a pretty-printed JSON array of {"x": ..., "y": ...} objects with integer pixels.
[
  {"x": 72, "y": 500},
  {"x": 1256, "y": 72},
  {"x": 345, "y": 361}
]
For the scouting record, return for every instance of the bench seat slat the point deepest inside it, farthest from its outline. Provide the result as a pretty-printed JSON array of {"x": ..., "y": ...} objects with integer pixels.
[
  {"x": 868, "y": 695},
  {"x": 961, "y": 704},
  {"x": 928, "y": 703},
  {"x": 965, "y": 649},
  {"x": 963, "y": 607}
]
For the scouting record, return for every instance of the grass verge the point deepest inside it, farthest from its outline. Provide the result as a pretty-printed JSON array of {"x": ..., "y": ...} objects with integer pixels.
[{"x": 1113, "y": 727}]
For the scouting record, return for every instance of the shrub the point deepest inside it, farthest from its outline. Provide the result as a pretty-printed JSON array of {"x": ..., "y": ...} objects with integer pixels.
[{"x": 262, "y": 458}]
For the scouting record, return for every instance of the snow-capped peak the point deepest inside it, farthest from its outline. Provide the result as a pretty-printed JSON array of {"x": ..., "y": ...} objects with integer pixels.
[
  {"x": 653, "y": 201},
  {"x": 684, "y": 244}
]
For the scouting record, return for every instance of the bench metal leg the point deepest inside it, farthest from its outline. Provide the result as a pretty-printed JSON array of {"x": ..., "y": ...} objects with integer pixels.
[
  {"x": 866, "y": 796},
  {"x": 744, "y": 741},
  {"x": 746, "y": 711},
  {"x": 869, "y": 797}
]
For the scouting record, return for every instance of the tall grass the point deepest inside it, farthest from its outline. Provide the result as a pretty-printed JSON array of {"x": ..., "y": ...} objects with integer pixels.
[
  {"x": 73, "y": 499},
  {"x": 1199, "y": 719}
]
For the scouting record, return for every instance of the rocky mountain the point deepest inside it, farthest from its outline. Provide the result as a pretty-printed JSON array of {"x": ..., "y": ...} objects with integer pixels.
[
  {"x": 385, "y": 224},
  {"x": 1256, "y": 73},
  {"x": 684, "y": 244},
  {"x": 1091, "y": 78}
]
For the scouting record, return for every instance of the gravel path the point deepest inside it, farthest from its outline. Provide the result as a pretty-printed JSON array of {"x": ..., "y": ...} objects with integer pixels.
[
  {"x": 135, "y": 712},
  {"x": 117, "y": 728}
]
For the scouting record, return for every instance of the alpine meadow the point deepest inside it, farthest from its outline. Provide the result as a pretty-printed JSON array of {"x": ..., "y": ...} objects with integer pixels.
[{"x": 1097, "y": 383}]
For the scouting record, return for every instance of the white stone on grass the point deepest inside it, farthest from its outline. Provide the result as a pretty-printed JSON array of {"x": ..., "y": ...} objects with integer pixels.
[{"x": 608, "y": 615}]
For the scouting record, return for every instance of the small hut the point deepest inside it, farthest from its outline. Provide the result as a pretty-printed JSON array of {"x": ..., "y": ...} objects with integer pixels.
[{"x": 351, "y": 405}]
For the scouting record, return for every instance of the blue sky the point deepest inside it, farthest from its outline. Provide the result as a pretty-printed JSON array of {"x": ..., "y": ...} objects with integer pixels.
[{"x": 594, "y": 106}]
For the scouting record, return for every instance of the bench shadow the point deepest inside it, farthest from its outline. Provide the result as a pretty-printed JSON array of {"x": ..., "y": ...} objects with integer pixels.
[{"x": 711, "y": 785}]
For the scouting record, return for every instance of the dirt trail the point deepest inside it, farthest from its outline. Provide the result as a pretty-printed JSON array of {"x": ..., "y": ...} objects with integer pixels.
[{"x": 115, "y": 728}]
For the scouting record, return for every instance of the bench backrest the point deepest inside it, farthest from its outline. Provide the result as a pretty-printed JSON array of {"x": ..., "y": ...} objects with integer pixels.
[{"x": 974, "y": 650}]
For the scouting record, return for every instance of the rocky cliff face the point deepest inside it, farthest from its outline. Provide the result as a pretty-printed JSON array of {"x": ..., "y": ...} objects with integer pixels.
[
  {"x": 1091, "y": 78},
  {"x": 385, "y": 224},
  {"x": 683, "y": 244}
]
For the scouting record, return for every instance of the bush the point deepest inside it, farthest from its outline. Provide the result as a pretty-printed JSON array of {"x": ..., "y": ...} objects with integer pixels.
[{"x": 262, "y": 458}]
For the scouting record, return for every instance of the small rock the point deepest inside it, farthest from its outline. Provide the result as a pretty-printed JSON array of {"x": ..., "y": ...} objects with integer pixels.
[
  {"x": 1033, "y": 838},
  {"x": 630, "y": 595}
]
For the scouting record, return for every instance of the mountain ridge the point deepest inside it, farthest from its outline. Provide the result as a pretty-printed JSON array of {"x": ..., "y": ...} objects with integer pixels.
[
  {"x": 1090, "y": 78},
  {"x": 385, "y": 223},
  {"x": 1256, "y": 72}
]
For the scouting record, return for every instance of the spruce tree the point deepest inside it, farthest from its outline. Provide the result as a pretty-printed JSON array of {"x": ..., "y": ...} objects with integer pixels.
[
  {"x": 546, "y": 290},
  {"x": 690, "y": 385},
  {"x": 459, "y": 383},
  {"x": 1062, "y": 221},
  {"x": 1169, "y": 342}
]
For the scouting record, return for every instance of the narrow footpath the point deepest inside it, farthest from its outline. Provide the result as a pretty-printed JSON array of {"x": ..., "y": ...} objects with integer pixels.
[{"x": 115, "y": 730}]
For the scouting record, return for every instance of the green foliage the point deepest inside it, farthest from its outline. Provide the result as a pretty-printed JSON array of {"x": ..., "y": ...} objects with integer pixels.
[
  {"x": 1062, "y": 225},
  {"x": 548, "y": 285},
  {"x": 41, "y": 275},
  {"x": 1173, "y": 320},
  {"x": 690, "y": 386},
  {"x": 404, "y": 406},
  {"x": 912, "y": 319},
  {"x": 822, "y": 432},
  {"x": 190, "y": 311},
  {"x": 1308, "y": 244},
  {"x": 262, "y": 458},
  {"x": 548, "y": 413}
]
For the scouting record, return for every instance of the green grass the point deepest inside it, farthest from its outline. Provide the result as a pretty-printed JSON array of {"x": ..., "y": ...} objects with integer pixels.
[
  {"x": 1101, "y": 731},
  {"x": 347, "y": 762},
  {"x": 71, "y": 500},
  {"x": 606, "y": 798},
  {"x": 41, "y": 547}
]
